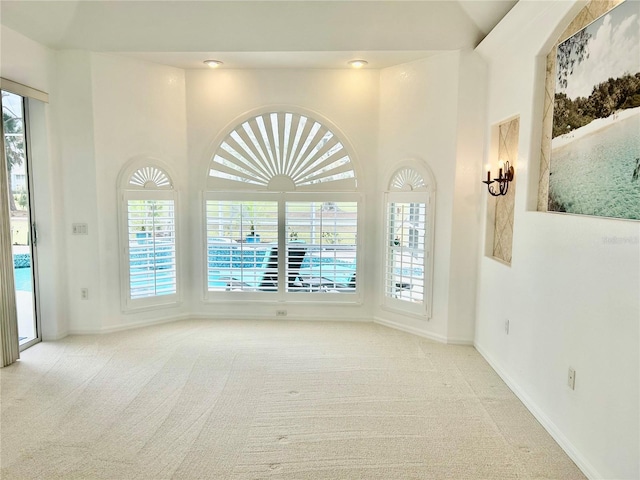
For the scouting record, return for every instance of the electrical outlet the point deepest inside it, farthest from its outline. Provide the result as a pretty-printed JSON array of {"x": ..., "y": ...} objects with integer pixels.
[
  {"x": 281, "y": 313},
  {"x": 506, "y": 326},
  {"x": 84, "y": 293},
  {"x": 571, "y": 379}
]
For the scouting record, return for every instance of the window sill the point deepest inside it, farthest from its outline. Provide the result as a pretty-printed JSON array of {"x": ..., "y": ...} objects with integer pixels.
[{"x": 275, "y": 299}]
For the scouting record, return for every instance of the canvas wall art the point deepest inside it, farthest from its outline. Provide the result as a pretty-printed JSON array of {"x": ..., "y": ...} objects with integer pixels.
[{"x": 595, "y": 147}]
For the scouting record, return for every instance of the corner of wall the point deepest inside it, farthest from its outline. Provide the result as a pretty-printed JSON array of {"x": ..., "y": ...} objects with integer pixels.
[
  {"x": 466, "y": 223},
  {"x": 74, "y": 120}
]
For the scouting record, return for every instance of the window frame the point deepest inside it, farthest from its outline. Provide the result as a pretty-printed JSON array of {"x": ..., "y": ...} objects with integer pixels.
[
  {"x": 129, "y": 192},
  {"x": 423, "y": 193},
  {"x": 282, "y": 295}
]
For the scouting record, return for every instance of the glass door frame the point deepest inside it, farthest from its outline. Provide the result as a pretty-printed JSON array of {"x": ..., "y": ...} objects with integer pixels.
[
  {"x": 33, "y": 232},
  {"x": 28, "y": 168}
]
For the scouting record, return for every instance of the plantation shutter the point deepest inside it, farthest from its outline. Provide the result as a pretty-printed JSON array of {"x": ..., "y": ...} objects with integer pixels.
[
  {"x": 408, "y": 241},
  {"x": 152, "y": 248},
  {"x": 242, "y": 245},
  {"x": 328, "y": 231},
  {"x": 406, "y": 229},
  {"x": 150, "y": 254}
]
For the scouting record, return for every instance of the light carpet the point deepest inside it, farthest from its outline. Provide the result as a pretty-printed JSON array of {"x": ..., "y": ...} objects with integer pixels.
[{"x": 266, "y": 400}]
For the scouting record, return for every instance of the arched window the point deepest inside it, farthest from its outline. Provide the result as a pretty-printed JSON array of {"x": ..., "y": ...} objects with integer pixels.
[
  {"x": 281, "y": 182},
  {"x": 409, "y": 206},
  {"x": 148, "y": 233},
  {"x": 282, "y": 151}
]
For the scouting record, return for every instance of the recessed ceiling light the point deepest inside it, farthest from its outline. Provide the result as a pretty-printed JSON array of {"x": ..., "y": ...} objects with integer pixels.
[
  {"x": 213, "y": 63},
  {"x": 358, "y": 63}
]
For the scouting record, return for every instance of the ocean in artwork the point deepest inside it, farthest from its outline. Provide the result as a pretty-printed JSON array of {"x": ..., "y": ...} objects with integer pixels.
[{"x": 597, "y": 171}]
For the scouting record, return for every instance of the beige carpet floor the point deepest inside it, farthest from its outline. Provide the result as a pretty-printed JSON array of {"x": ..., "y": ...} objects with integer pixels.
[{"x": 266, "y": 400}]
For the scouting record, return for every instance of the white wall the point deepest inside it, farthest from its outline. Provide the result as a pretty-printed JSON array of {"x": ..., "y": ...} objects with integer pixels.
[
  {"x": 29, "y": 63},
  {"x": 572, "y": 292},
  {"x": 74, "y": 125},
  {"x": 109, "y": 110},
  {"x": 25, "y": 61},
  {"x": 346, "y": 98},
  {"x": 430, "y": 112},
  {"x": 104, "y": 110},
  {"x": 466, "y": 198},
  {"x": 138, "y": 112}
]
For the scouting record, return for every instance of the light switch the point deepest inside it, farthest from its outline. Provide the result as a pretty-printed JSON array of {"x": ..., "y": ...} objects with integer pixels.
[{"x": 80, "y": 229}]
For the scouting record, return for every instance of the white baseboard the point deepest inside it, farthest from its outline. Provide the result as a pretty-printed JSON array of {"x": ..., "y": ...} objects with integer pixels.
[
  {"x": 175, "y": 318},
  {"x": 421, "y": 333},
  {"x": 459, "y": 341},
  {"x": 573, "y": 453},
  {"x": 294, "y": 318},
  {"x": 129, "y": 325},
  {"x": 57, "y": 336}
]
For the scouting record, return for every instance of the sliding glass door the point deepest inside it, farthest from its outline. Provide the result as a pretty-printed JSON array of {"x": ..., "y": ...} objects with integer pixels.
[{"x": 23, "y": 239}]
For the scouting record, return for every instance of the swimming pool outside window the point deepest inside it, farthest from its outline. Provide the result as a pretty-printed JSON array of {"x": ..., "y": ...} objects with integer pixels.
[
  {"x": 152, "y": 249},
  {"x": 328, "y": 231},
  {"x": 245, "y": 238},
  {"x": 242, "y": 245},
  {"x": 150, "y": 267},
  {"x": 281, "y": 212}
]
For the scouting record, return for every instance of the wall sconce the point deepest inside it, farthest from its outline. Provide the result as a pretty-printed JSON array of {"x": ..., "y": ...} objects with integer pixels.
[{"x": 503, "y": 180}]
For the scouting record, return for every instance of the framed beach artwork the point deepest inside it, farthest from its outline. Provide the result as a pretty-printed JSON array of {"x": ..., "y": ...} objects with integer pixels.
[{"x": 594, "y": 166}]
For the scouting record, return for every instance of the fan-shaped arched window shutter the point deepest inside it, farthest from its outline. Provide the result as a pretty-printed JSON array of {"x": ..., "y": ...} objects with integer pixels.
[
  {"x": 407, "y": 179},
  {"x": 148, "y": 235},
  {"x": 409, "y": 207},
  {"x": 150, "y": 178},
  {"x": 282, "y": 151}
]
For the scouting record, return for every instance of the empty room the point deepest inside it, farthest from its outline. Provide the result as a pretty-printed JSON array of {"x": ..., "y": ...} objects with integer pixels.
[{"x": 320, "y": 239}]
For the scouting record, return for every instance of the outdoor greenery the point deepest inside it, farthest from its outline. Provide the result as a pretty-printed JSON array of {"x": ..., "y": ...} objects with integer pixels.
[
  {"x": 21, "y": 198},
  {"x": 308, "y": 222},
  {"x": 236, "y": 221},
  {"x": 13, "y": 143},
  {"x": 147, "y": 215},
  {"x": 605, "y": 99}
]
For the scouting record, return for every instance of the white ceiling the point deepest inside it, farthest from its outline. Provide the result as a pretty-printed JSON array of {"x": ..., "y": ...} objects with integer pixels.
[{"x": 258, "y": 34}]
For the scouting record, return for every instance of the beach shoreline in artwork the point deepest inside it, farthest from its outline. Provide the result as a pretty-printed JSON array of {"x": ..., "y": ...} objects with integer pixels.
[{"x": 593, "y": 127}]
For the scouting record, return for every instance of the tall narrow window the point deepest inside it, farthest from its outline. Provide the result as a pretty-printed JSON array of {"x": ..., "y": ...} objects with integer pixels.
[
  {"x": 408, "y": 240},
  {"x": 282, "y": 212},
  {"x": 149, "y": 206}
]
